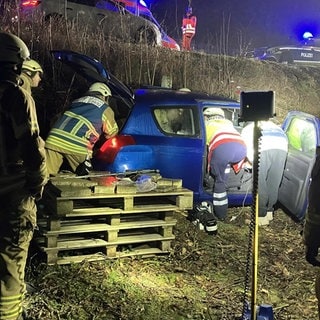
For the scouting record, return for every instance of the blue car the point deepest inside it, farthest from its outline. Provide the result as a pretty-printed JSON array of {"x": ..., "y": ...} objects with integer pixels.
[{"x": 164, "y": 129}]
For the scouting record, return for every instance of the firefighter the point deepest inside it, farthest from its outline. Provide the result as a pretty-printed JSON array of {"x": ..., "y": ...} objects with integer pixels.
[
  {"x": 225, "y": 148},
  {"x": 189, "y": 23},
  {"x": 311, "y": 229},
  {"x": 273, "y": 154},
  {"x": 75, "y": 133},
  {"x": 31, "y": 74},
  {"x": 22, "y": 175}
]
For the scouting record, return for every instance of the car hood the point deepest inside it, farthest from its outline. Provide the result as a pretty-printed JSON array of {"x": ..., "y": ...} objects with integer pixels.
[{"x": 93, "y": 71}]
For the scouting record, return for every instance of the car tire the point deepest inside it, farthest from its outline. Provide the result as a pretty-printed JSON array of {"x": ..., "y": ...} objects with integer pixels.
[
  {"x": 145, "y": 35},
  {"x": 271, "y": 59}
]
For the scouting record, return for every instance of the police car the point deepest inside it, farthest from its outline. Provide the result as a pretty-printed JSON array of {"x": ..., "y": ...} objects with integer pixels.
[
  {"x": 146, "y": 142},
  {"x": 303, "y": 54}
]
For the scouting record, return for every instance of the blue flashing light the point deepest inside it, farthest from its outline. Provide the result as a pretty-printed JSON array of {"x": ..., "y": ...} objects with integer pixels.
[
  {"x": 306, "y": 30},
  {"x": 307, "y": 35},
  {"x": 143, "y": 3}
]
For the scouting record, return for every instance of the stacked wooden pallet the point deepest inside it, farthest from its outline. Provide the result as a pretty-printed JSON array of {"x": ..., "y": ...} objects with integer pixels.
[{"x": 79, "y": 224}]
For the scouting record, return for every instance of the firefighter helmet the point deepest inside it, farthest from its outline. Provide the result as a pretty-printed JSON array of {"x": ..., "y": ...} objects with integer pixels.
[
  {"x": 13, "y": 49},
  {"x": 32, "y": 65},
  {"x": 215, "y": 113},
  {"x": 101, "y": 88}
]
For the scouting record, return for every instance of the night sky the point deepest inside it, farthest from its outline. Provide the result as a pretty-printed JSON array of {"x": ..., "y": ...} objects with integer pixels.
[{"x": 233, "y": 26}]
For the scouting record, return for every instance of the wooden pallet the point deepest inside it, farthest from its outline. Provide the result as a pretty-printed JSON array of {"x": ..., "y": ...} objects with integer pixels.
[
  {"x": 99, "y": 226},
  {"x": 69, "y": 203},
  {"x": 71, "y": 238}
]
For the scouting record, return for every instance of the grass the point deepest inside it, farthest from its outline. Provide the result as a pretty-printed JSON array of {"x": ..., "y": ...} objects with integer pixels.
[{"x": 203, "y": 278}]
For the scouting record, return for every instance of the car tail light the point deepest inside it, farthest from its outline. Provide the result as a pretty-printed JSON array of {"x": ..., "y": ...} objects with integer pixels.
[
  {"x": 108, "y": 151},
  {"x": 30, "y": 3}
]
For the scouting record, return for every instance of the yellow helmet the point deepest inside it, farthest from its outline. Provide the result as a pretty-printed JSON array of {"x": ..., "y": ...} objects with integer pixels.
[
  {"x": 31, "y": 65},
  {"x": 101, "y": 88},
  {"x": 214, "y": 113}
]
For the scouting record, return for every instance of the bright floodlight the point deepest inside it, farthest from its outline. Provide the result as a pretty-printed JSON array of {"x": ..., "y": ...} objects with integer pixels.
[{"x": 307, "y": 35}]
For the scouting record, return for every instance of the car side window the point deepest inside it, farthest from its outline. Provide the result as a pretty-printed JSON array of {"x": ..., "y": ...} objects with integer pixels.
[
  {"x": 302, "y": 136},
  {"x": 175, "y": 120}
]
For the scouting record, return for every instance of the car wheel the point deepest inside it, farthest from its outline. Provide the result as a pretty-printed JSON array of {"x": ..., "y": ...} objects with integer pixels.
[
  {"x": 146, "y": 35},
  {"x": 286, "y": 58},
  {"x": 271, "y": 59}
]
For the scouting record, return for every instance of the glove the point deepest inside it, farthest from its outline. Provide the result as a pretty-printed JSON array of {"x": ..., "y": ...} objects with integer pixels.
[
  {"x": 84, "y": 168},
  {"x": 311, "y": 256}
]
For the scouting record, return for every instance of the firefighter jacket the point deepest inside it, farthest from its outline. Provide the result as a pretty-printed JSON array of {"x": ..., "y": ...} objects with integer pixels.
[
  {"x": 272, "y": 138},
  {"x": 22, "y": 149},
  {"x": 189, "y": 25},
  {"x": 80, "y": 127},
  {"x": 312, "y": 222}
]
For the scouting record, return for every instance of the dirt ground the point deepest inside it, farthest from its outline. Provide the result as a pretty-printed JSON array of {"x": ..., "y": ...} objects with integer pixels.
[{"x": 203, "y": 278}]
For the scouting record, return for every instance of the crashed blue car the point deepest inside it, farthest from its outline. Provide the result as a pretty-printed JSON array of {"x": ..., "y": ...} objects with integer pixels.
[{"x": 148, "y": 139}]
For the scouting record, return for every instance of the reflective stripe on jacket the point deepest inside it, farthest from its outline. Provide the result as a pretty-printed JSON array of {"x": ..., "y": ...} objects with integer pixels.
[
  {"x": 189, "y": 25},
  {"x": 80, "y": 127},
  {"x": 221, "y": 131}
]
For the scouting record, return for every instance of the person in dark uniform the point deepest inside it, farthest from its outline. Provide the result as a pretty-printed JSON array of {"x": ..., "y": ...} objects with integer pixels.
[
  {"x": 22, "y": 175},
  {"x": 311, "y": 232}
]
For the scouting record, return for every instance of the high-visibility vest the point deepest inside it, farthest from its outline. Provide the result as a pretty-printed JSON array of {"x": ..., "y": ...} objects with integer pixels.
[
  {"x": 189, "y": 25},
  {"x": 80, "y": 127},
  {"x": 221, "y": 131}
]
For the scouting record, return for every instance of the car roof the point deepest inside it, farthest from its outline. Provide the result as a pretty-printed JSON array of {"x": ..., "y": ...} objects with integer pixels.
[{"x": 169, "y": 97}]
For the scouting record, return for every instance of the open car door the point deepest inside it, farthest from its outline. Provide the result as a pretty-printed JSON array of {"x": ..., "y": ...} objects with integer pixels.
[
  {"x": 302, "y": 130},
  {"x": 92, "y": 70}
]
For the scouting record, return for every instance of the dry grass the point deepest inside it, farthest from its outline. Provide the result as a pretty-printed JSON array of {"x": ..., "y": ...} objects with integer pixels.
[{"x": 203, "y": 278}]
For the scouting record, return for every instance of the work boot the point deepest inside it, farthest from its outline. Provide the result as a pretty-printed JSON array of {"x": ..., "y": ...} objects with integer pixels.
[
  {"x": 207, "y": 218},
  {"x": 193, "y": 217},
  {"x": 203, "y": 218},
  {"x": 209, "y": 222}
]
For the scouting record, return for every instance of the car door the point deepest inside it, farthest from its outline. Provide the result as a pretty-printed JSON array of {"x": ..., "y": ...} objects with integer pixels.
[
  {"x": 302, "y": 130},
  {"x": 93, "y": 71}
]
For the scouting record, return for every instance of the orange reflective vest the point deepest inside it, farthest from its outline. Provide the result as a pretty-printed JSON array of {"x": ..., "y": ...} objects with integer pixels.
[{"x": 189, "y": 25}]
